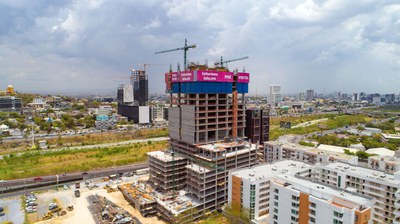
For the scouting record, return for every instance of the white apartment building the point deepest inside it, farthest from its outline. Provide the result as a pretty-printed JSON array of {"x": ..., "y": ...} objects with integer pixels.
[
  {"x": 274, "y": 96},
  {"x": 296, "y": 200},
  {"x": 157, "y": 113},
  {"x": 275, "y": 151},
  {"x": 388, "y": 164},
  {"x": 283, "y": 192},
  {"x": 382, "y": 186}
]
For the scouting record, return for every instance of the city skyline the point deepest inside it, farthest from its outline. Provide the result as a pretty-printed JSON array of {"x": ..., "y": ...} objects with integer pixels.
[{"x": 90, "y": 46}]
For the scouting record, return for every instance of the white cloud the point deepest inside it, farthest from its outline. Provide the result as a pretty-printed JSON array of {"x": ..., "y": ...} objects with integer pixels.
[
  {"x": 300, "y": 44},
  {"x": 155, "y": 23}
]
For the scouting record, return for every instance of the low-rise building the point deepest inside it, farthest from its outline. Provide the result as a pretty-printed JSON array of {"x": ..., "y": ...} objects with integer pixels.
[
  {"x": 284, "y": 192},
  {"x": 10, "y": 104},
  {"x": 388, "y": 164},
  {"x": 275, "y": 151}
]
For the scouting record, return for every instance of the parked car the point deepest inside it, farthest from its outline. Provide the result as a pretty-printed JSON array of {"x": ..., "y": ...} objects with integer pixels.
[
  {"x": 77, "y": 193},
  {"x": 53, "y": 206},
  {"x": 37, "y": 178},
  {"x": 1, "y": 209},
  {"x": 31, "y": 203},
  {"x": 2, "y": 213}
]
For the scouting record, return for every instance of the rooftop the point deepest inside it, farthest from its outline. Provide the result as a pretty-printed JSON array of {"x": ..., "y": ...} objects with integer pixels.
[
  {"x": 362, "y": 172},
  {"x": 265, "y": 171},
  {"x": 221, "y": 146},
  {"x": 338, "y": 197},
  {"x": 164, "y": 156},
  {"x": 381, "y": 151},
  {"x": 336, "y": 149}
]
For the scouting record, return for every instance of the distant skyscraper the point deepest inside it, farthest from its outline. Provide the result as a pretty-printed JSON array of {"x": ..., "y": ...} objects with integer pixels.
[
  {"x": 302, "y": 96},
  {"x": 275, "y": 96},
  {"x": 125, "y": 94},
  {"x": 355, "y": 97},
  {"x": 140, "y": 85},
  {"x": 310, "y": 94}
]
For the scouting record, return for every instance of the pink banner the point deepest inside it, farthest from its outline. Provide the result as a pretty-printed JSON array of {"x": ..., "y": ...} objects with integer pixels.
[
  {"x": 214, "y": 76},
  {"x": 174, "y": 77},
  {"x": 186, "y": 76},
  {"x": 243, "y": 77}
]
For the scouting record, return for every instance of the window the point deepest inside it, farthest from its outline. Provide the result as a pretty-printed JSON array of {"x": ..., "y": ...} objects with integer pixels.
[
  {"x": 276, "y": 191},
  {"x": 338, "y": 214},
  {"x": 295, "y": 198},
  {"x": 335, "y": 221},
  {"x": 276, "y": 197},
  {"x": 294, "y": 212}
]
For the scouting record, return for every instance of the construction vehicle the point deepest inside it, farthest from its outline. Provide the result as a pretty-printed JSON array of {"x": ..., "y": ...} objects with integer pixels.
[
  {"x": 47, "y": 216},
  {"x": 77, "y": 193}
]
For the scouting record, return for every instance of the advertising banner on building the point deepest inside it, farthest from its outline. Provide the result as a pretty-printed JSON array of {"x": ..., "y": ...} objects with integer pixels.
[
  {"x": 214, "y": 76},
  {"x": 243, "y": 77},
  {"x": 186, "y": 76}
]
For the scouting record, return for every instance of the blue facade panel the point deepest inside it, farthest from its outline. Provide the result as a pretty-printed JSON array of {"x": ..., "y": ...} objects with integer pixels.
[
  {"x": 209, "y": 87},
  {"x": 243, "y": 87}
]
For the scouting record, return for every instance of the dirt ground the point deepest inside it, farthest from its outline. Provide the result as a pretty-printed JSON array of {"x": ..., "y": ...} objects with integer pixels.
[
  {"x": 12, "y": 209},
  {"x": 118, "y": 199},
  {"x": 81, "y": 213}
]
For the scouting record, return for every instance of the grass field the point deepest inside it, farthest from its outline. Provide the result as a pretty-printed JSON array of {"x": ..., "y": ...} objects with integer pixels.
[
  {"x": 89, "y": 139},
  {"x": 333, "y": 122},
  {"x": 33, "y": 164}
]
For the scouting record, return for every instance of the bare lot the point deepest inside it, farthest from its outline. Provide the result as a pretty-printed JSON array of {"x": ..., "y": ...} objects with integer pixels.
[{"x": 12, "y": 209}]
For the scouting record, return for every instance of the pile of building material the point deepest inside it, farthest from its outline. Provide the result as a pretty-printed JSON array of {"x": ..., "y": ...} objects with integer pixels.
[
  {"x": 140, "y": 197},
  {"x": 104, "y": 212}
]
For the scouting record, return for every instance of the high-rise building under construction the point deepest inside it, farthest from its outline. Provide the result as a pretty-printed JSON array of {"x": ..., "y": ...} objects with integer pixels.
[
  {"x": 140, "y": 85},
  {"x": 207, "y": 128}
]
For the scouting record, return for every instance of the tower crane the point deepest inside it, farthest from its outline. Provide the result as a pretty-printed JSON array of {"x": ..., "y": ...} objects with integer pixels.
[
  {"x": 184, "y": 48},
  {"x": 221, "y": 62},
  {"x": 146, "y": 65}
]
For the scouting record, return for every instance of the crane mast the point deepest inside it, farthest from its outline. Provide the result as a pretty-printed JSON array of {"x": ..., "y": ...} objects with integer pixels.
[{"x": 185, "y": 50}]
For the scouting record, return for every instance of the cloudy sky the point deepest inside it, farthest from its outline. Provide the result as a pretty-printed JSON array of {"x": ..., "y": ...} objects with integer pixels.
[{"x": 89, "y": 46}]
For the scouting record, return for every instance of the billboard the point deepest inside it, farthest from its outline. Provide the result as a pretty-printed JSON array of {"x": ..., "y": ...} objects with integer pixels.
[
  {"x": 186, "y": 76},
  {"x": 207, "y": 76},
  {"x": 214, "y": 76},
  {"x": 243, "y": 77}
]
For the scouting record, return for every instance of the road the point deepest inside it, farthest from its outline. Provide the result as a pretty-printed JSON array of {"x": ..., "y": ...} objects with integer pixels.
[
  {"x": 103, "y": 145},
  {"x": 18, "y": 186}
]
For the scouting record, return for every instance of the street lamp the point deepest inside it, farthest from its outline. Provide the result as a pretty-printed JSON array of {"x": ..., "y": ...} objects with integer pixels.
[{"x": 57, "y": 182}]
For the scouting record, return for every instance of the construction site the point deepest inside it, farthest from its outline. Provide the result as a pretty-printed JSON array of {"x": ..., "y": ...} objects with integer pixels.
[{"x": 207, "y": 123}]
